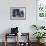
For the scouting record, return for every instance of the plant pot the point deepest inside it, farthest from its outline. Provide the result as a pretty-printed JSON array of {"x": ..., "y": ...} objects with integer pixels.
[{"x": 40, "y": 40}]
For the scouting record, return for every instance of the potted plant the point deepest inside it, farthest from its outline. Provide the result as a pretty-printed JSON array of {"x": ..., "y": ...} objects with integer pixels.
[{"x": 39, "y": 35}]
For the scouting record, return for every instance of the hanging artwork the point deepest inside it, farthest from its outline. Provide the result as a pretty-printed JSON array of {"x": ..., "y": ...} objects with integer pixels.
[
  {"x": 41, "y": 12},
  {"x": 17, "y": 13},
  {"x": 41, "y": 8}
]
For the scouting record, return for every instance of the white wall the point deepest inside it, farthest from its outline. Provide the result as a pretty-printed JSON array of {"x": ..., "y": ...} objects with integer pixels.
[{"x": 24, "y": 25}]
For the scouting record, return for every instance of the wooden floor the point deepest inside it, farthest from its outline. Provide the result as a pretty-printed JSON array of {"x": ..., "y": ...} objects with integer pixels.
[{"x": 13, "y": 44}]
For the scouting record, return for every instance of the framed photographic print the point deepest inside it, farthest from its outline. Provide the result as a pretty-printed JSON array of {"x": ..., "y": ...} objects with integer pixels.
[
  {"x": 41, "y": 8},
  {"x": 17, "y": 13},
  {"x": 41, "y": 12}
]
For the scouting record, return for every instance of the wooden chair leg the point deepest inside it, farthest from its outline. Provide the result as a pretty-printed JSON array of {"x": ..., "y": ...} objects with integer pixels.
[
  {"x": 5, "y": 43},
  {"x": 17, "y": 39},
  {"x": 5, "y": 39}
]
